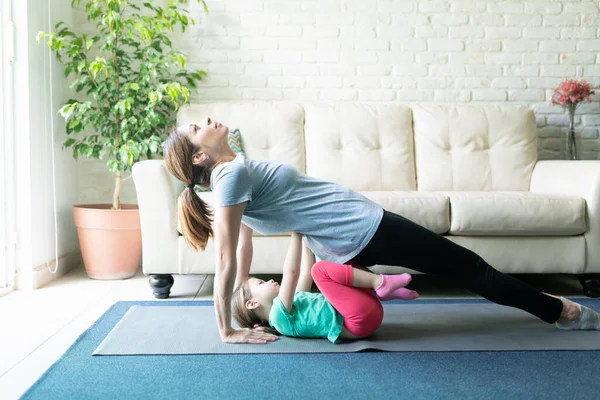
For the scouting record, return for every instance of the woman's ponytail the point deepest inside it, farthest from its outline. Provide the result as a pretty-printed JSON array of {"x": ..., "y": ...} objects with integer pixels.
[
  {"x": 196, "y": 219},
  {"x": 195, "y": 215}
]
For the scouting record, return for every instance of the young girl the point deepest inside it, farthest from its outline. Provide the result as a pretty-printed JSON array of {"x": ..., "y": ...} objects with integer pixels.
[{"x": 348, "y": 306}]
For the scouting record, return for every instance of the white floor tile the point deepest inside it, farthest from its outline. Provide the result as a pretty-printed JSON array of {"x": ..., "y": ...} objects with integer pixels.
[{"x": 22, "y": 375}]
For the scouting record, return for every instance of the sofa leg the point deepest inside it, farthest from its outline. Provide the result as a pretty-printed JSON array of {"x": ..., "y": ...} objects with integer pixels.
[
  {"x": 161, "y": 285},
  {"x": 591, "y": 284}
]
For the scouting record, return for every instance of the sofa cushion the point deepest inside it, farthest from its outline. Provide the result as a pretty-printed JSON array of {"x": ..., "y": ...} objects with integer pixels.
[
  {"x": 272, "y": 130},
  {"x": 431, "y": 210},
  {"x": 360, "y": 146},
  {"x": 460, "y": 147},
  {"x": 516, "y": 214}
]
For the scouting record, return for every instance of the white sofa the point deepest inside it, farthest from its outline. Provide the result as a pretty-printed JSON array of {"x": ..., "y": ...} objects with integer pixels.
[{"x": 470, "y": 173}]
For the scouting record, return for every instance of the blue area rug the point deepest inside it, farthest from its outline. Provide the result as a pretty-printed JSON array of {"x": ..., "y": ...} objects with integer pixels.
[{"x": 367, "y": 375}]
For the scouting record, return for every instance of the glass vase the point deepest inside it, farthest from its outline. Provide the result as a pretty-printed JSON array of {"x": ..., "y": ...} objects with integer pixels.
[{"x": 571, "y": 142}]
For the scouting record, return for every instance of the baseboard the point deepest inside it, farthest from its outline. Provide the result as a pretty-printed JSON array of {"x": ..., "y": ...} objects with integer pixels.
[
  {"x": 6, "y": 290},
  {"x": 42, "y": 276}
]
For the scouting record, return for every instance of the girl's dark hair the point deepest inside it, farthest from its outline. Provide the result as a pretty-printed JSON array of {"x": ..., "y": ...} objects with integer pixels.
[
  {"x": 247, "y": 318},
  {"x": 195, "y": 215}
]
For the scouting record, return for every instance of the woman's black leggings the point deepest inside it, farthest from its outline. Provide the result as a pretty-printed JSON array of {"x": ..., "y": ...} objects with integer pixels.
[{"x": 401, "y": 242}]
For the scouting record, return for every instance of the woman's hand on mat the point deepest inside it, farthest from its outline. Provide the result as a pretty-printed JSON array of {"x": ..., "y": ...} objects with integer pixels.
[{"x": 246, "y": 335}]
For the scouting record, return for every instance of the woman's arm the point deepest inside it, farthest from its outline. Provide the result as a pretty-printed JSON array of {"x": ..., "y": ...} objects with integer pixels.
[
  {"x": 308, "y": 260},
  {"x": 226, "y": 230},
  {"x": 291, "y": 272},
  {"x": 244, "y": 254}
]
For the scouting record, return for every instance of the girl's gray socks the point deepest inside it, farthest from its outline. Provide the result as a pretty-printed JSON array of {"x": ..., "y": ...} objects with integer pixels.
[{"x": 588, "y": 320}]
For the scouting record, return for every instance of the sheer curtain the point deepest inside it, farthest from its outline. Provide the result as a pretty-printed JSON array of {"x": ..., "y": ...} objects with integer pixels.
[{"x": 7, "y": 238}]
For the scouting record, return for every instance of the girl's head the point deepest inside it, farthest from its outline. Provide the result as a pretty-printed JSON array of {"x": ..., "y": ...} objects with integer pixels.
[
  {"x": 252, "y": 301},
  {"x": 191, "y": 152}
]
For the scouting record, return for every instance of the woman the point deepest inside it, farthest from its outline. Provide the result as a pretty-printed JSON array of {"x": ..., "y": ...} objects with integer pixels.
[{"x": 339, "y": 225}]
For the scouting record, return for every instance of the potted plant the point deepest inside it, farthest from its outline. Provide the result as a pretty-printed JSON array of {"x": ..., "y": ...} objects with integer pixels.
[{"x": 130, "y": 82}]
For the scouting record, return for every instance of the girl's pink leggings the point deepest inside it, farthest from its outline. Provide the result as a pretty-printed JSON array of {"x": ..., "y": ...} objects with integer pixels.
[{"x": 360, "y": 307}]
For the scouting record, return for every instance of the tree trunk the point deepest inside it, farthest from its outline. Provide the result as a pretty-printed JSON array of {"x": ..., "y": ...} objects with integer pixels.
[{"x": 117, "y": 195}]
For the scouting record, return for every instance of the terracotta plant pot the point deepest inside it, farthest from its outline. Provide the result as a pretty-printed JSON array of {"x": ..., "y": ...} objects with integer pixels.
[{"x": 110, "y": 240}]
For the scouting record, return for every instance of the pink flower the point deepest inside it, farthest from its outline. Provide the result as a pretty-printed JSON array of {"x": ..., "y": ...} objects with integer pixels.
[{"x": 571, "y": 93}]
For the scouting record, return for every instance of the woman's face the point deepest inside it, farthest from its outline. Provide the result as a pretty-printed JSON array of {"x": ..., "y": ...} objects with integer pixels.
[{"x": 208, "y": 136}]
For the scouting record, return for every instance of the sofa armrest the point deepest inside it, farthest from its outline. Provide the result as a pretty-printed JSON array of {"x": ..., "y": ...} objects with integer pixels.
[
  {"x": 575, "y": 178},
  {"x": 157, "y": 193}
]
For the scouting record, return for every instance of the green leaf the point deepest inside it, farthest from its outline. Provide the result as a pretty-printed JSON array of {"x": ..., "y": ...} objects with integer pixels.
[
  {"x": 190, "y": 81},
  {"x": 113, "y": 165},
  {"x": 153, "y": 96},
  {"x": 87, "y": 151},
  {"x": 156, "y": 46},
  {"x": 199, "y": 75},
  {"x": 74, "y": 123}
]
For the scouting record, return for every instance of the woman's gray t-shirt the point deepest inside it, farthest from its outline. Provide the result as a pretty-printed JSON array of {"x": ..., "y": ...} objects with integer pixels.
[{"x": 337, "y": 223}]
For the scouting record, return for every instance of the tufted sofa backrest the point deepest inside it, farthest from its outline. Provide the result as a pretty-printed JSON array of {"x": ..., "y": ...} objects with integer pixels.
[
  {"x": 462, "y": 147},
  {"x": 363, "y": 147},
  {"x": 387, "y": 146}
]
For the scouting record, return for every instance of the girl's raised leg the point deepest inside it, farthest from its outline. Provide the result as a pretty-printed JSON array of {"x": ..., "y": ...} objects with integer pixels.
[
  {"x": 387, "y": 287},
  {"x": 360, "y": 307}
]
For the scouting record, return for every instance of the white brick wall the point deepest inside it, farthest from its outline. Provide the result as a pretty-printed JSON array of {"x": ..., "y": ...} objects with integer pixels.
[{"x": 395, "y": 50}]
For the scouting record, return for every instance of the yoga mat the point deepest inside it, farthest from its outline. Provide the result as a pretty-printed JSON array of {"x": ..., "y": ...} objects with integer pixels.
[{"x": 159, "y": 330}]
